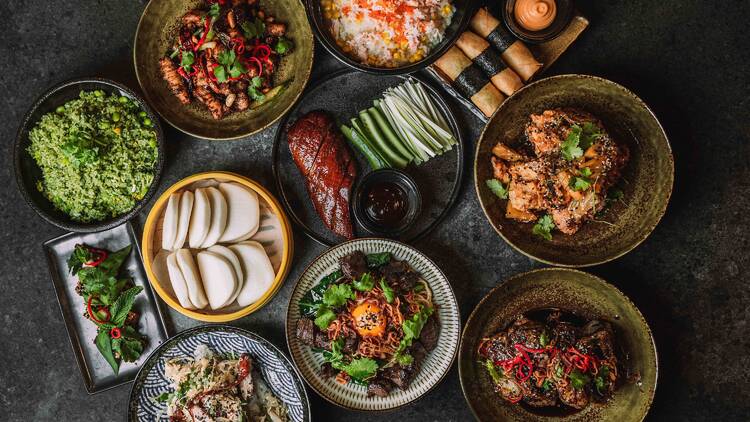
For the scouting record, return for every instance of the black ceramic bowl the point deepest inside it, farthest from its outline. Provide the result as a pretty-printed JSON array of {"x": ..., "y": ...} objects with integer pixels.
[
  {"x": 409, "y": 188},
  {"x": 28, "y": 173},
  {"x": 464, "y": 11},
  {"x": 565, "y": 11}
]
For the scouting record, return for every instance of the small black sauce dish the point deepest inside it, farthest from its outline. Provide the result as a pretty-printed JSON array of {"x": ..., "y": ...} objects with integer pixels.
[
  {"x": 563, "y": 16},
  {"x": 387, "y": 202}
]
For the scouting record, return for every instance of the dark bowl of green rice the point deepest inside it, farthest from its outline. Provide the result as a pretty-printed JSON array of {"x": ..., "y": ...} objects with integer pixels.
[{"x": 88, "y": 155}]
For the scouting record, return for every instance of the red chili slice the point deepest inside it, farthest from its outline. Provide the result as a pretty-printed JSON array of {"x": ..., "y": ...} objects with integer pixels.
[
  {"x": 261, "y": 51},
  {"x": 205, "y": 33},
  {"x": 115, "y": 333},
  {"x": 101, "y": 255},
  {"x": 91, "y": 313}
]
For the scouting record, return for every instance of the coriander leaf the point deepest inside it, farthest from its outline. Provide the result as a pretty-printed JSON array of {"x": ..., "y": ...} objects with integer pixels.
[
  {"x": 313, "y": 299},
  {"x": 569, "y": 147},
  {"x": 365, "y": 283},
  {"x": 123, "y": 304},
  {"x": 236, "y": 69},
  {"x": 221, "y": 74},
  {"x": 546, "y": 385},
  {"x": 187, "y": 60},
  {"x": 412, "y": 328},
  {"x": 586, "y": 172},
  {"x": 578, "y": 379},
  {"x": 325, "y": 318},
  {"x": 104, "y": 344},
  {"x": 226, "y": 57},
  {"x": 589, "y": 134},
  {"x": 375, "y": 260},
  {"x": 361, "y": 368},
  {"x": 253, "y": 29},
  {"x": 544, "y": 227},
  {"x": 580, "y": 183},
  {"x": 418, "y": 288},
  {"x": 334, "y": 356},
  {"x": 497, "y": 188},
  {"x": 388, "y": 292},
  {"x": 164, "y": 397},
  {"x": 405, "y": 359},
  {"x": 337, "y": 295},
  {"x": 254, "y": 89},
  {"x": 214, "y": 10},
  {"x": 283, "y": 45},
  {"x": 494, "y": 373}
]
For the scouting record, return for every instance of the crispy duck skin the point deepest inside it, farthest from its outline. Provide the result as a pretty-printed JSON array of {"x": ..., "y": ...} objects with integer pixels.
[
  {"x": 326, "y": 163},
  {"x": 174, "y": 80}
]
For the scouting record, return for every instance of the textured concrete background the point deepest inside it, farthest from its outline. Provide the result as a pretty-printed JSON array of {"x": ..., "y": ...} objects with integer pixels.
[{"x": 687, "y": 59}]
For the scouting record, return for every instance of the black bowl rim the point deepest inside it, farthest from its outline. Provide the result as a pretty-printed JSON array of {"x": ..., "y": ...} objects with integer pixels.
[
  {"x": 105, "y": 224},
  {"x": 460, "y": 147},
  {"x": 412, "y": 191},
  {"x": 550, "y": 270},
  {"x": 321, "y": 35},
  {"x": 662, "y": 211}
]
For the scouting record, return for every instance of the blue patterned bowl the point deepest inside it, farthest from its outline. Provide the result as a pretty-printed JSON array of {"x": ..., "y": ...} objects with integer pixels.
[{"x": 275, "y": 368}]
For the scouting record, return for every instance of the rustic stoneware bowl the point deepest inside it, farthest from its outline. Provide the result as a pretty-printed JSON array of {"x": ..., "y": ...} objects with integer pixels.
[
  {"x": 155, "y": 34},
  {"x": 586, "y": 296},
  {"x": 646, "y": 183}
]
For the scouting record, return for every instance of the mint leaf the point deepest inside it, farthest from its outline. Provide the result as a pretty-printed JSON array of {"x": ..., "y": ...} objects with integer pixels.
[
  {"x": 123, "y": 304},
  {"x": 497, "y": 188}
]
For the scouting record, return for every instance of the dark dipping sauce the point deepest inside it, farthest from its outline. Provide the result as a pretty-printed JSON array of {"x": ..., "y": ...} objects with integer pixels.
[{"x": 386, "y": 204}]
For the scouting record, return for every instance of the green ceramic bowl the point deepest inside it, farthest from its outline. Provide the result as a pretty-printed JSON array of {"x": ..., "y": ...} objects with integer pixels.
[
  {"x": 584, "y": 295},
  {"x": 647, "y": 180},
  {"x": 155, "y": 35}
]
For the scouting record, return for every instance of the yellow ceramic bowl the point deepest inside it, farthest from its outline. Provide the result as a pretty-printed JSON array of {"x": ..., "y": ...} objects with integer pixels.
[{"x": 275, "y": 235}]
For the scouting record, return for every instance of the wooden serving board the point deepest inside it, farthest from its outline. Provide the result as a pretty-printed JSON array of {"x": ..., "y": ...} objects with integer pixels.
[{"x": 546, "y": 53}]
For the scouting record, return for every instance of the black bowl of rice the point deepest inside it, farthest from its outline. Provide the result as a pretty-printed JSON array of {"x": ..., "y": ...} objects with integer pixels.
[
  {"x": 388, "y": 36},
  {"x": 88, "y": 155}
]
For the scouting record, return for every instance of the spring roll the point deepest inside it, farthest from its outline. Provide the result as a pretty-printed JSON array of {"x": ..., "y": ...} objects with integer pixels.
[
  {"x": 470, "y": 81},
  {"x": 486, "y": 58},
  {"x": 513, "y": 51}
]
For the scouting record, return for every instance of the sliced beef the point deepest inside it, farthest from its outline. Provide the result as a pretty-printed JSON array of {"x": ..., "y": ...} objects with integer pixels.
[
  {"x": 306, "y": 331},
  {"x": 400, "y": 276},
  {"x": 430, "y": 333},
  {"x": 379, "y": 387},
  {"x": 350, "y": 342},
  {"x": 321, "y": 340},
  {"x": 418, "y": 352},
  {"x": 328, "y": 371},
  {"x": 399, "y": 375},
  {"x": 354, "y": 264}
]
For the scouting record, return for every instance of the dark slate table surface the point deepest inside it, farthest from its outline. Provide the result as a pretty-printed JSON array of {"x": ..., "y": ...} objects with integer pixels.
[{"x": 687, "y": 59}]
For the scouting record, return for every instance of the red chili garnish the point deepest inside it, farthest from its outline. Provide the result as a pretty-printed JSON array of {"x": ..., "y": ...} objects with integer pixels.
[
  {"x": 92, "y": 314},
  {"x": 239, "y": 45},
  {"x": 261, "y": 51},
  {"x": 101, "y": 255},
  {"x": 257, "y": 63},
  {"x": 115, "y": 333},
  {"x": 244, "y": 368},
  {"x": 205, "y": 33}
]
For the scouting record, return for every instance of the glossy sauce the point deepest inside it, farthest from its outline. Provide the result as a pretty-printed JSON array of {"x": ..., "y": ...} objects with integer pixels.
[
  {"x": 386, "y": 204},
  {"x": 535, "y": 15}
]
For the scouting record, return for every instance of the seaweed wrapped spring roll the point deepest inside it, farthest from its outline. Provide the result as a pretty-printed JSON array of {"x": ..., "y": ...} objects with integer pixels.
[
  {"x": 470, "y": 81},
  {"x": 488, "y": 59},
  {"x": 514, "y": 52}
]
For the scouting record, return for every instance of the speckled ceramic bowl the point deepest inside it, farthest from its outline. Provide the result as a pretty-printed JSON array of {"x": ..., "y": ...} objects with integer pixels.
[
  {"x": 155, "y": 35},
  {"x": 584, "y": 295},
  {"x": 646, "y": 182}
]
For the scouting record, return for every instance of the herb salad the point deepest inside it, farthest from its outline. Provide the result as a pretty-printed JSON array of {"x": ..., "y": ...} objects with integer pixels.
[{"x": 109, "y": 298}]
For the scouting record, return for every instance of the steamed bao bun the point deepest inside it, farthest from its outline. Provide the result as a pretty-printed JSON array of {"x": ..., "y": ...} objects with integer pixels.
[{"x": 211, "y": 274}]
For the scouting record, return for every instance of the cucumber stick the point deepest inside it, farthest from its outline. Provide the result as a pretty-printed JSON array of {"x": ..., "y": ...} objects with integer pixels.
[
  {"x": 372, "y": 156},
  {"x": 373, "y": 133},
  {"x": 389, "y": 134}
]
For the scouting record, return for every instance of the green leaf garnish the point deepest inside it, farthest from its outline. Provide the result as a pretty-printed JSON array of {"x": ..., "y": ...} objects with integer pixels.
[
  {"x": 544, "y": 227},
  {"x": 365, "y": 283},
  {"x": 337, "y": 295},
  {"x": 388, "y": 292},
  {"x": 497, "y": 188}
]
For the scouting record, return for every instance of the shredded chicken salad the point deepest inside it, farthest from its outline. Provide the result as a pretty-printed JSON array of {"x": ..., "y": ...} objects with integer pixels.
[{"x": 221, "y": 388}]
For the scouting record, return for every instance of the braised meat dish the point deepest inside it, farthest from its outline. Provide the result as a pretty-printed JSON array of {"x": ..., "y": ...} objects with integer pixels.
[
  {"x": 373, "y": 320},
  {"x": 552, "y": 361},
  {"x": 225, "y": 56},
  {"x": 324, "y": 159},
  {"x": 561, "y": 172}
]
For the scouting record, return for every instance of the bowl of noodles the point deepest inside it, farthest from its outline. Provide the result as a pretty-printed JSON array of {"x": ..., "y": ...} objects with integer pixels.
[{"x": 373, "y": 325}]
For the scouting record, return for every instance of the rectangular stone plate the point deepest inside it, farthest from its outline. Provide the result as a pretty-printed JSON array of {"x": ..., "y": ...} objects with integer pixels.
[
  {"x": 546, "y": 53},
  {"x": 97, "y": 374}
]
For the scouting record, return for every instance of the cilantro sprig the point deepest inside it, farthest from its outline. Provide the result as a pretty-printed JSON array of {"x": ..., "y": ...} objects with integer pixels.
[
  {"x": 229, "y": 66},
  {"x": 544, "y": 227},
  {"x": 578, "y": 139},
  {"x": 497, "y": 188}
]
